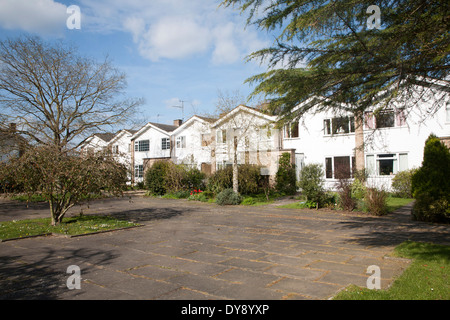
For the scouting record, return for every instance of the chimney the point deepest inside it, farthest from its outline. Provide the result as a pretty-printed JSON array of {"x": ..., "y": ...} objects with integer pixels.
[{"x": 177, "y": 123}]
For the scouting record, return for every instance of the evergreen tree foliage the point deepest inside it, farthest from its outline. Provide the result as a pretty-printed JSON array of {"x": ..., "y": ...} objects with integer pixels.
[
  {"x": 331, "y": 57},
  {"x": 431, "y": 183}
]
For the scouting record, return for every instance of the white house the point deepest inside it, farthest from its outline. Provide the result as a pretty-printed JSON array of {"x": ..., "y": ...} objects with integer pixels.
[
  {"x": 249, "y": 135},
  {"x": 97, "y": 142},
  {"x": 120, "y": 146},
  {"x": 152, "y": 142},
  {"x": 394, "y": 140},
  {"x": 193, "y": 142}
]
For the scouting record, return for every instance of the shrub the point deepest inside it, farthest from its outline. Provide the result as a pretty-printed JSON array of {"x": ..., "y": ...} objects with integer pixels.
[
  {"x": 250, "y": 180},
  {"x": 311, "y": 182},
  {"x": 431, "y": 183},
  {"x": 248, "y": 201},
  {"x": 155, "y": 178},
  {"x": 192, "y": 178},
  {"x": 344, "y": 190},
  {"x": 228, "y": 197},
  {"x": 376, "y": 201},
  {"x": 402, "y": 183},
  {"x": 358, "y": 189},
  {"x": 220, "y": 180},
  {"x": 285, "y": 178}
]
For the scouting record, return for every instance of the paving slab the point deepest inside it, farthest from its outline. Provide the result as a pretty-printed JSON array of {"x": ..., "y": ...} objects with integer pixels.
[{"x": 188, "y": 250}]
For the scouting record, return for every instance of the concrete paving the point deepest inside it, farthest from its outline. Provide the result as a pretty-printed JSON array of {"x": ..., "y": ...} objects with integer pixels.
[{"x": 189, "y": 250}]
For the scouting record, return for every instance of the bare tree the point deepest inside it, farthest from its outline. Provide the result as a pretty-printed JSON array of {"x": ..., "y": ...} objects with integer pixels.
[
  {"x": 57, "y": 97},
  {"x": 239, "y": 129}
]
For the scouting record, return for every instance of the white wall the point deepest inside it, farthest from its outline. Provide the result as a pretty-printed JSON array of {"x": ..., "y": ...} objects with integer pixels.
[
  {"x": 154, "y": 135},
  {"x": 408, "y": 139},
  {"x": 193, "y": 153}
]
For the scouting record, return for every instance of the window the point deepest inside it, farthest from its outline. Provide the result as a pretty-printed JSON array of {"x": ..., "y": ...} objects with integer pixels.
[
  {"x": 206, "y": 140},
  {"x": 265, "y": 134},
  {"x": 221, "y": 136},
  {"x": 340, "y": 125},
  {"x": 165, "y": 143},
  {"x": 385, "y": 119},
  {"x": 291, "y": 130},
  {"x": 448, "y": 114},
  {"x": 142, "y": 146},
  {"x": 139, "y": 171},
  {"x": 115, "y": 149},
  {"x": 386, "y": 164},
  {"x": 339, "y": 167},
  {"x": 181, "y": 142}
]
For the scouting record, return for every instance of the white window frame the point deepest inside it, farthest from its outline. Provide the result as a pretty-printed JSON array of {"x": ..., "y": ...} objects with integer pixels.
[
  {"x": 181, "y": 142},
  {"x": 142, "y": 146},
  {"x": 399, "y": 163},
  {"x": 165, "y": 143},
  {"x": 329, "y": 126},
  {"x": 139, "y": 171},
  {"x": 221, "y": 136}
]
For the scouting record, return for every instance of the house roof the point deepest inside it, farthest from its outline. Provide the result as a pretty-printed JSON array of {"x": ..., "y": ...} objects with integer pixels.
[
  {"x": 166, "y": 128},
  {"x": 243, "y": 108},
  {"x": 192, "y": 119},
  {"x": 107, "y": 136}
]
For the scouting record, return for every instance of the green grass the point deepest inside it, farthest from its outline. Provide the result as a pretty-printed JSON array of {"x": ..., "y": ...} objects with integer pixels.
[
  {"x": 393, "y": 204},
  {"x": 426, "y": 278},
  {"x": 70, "y": 226}
]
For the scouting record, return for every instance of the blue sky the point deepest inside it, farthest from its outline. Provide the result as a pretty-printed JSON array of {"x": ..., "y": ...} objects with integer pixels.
[{"x": 171, "y": 50}]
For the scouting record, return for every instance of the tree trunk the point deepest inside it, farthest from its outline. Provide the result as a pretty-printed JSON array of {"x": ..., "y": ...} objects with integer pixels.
[
  {"x": 235, "y": 168},
  {"x": 359, "y": 143}
]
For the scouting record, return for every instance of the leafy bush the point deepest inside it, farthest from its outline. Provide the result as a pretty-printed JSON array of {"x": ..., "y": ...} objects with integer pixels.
[
  {"x": 402, "y": 183},
  {"x": 250, "y": 180},
  {"x": 248, "y": 201},
  {"x": 197, "y": 195},
  {"x": 358, "y": 189},
  {"x": 192, "y": 178},
  {"x": 311, "y": 182},
  {"x": 431, "y": 183},
  {"x": 167, "y": 177},
  {"x": 376, "y": 201},
  {"x": 155, "y": 177},
  {"x": 228, "y": 197},
  {"x": 285, "y": 178},
  {"x": 346, "y": 199},
  {"x": 220, "y": 180}
]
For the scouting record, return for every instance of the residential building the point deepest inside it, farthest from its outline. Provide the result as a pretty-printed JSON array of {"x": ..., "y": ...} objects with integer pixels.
[
  {"x": 120, "y": 146},
  {"x": 394, "y": 140},
  {"x": 152, "y": 142},
  {"x": 193, "y": 142},
  {"x": 249, "y": 136},
  {"x": 97, "y": 142}
]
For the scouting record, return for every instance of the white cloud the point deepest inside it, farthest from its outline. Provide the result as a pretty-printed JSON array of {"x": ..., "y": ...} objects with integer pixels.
[
  {"x": 45, "y": 17},
  {"x": 174, "y": 38},
  {"x": 175, "y": 29}
]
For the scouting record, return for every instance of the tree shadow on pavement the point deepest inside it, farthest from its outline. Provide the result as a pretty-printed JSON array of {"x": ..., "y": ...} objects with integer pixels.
[
  {"x": 386, "y": 231},
  {"x": 46, "y": 277}
]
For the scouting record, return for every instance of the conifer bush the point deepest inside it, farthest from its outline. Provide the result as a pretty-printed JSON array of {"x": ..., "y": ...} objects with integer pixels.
[{"x": 431, "y": 183}]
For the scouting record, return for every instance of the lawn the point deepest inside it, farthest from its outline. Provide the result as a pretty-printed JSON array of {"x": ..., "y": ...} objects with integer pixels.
[
  {"x": 393, "y": 204},
  {"x": 426, "y": 278},
  {"x": 71, "y": 226}
]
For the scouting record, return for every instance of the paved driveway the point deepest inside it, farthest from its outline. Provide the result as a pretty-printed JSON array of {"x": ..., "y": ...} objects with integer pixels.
[{"x": 190, "y": 250}]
